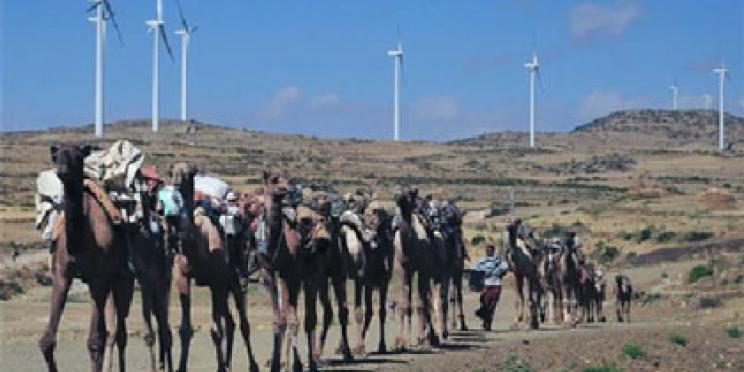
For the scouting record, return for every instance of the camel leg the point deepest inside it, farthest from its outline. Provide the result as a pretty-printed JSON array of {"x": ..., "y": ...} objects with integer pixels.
[
  {"x": 311, "y": 320},
  {"x": 245, "y": 327},
  {"x": 443, "y": 298},
  {"x": 217, "y": 331},
  {"x": 280, "y": 319},
  {"x": 97, "y": 332},
  {"x": 339, "y": 291},
  {"x": 382, "y": 314},
  {"x": 404, "y": 304},
  {"x": 147, "y": 312},
  {"x": 437, "y": 310},
  {"x": 165, "y": 337},
  {"x": 325, "y": 302},
  {"x": 519, "y": 304},
  {"x": 293, "y": 288},
  {"x": 60, "y": 287},
  {"x": 368, "y": 311},
  {"x": 458, "y": 298},
  {"x": 185, "y": 330},
  {"x": 359, "y": 313},
  {"x": 122, "y": 293},
  {"x": 229, "y": 335},
  {"x": 423, "y": 306}
]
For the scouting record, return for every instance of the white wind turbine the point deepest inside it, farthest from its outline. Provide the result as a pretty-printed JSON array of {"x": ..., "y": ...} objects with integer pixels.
[
  {"x": 185, "y": 32},
  {"x": 675, "y": 90},
  {"x": 398, "y": 55},
  {"x": 103, "y": 13},
  {"x": 534, "y": 69},
  {"x": 158, "y": 30},
  {"x": 722, "y": 74}
]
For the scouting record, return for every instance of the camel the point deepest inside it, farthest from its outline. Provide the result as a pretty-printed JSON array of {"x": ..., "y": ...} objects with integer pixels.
[
  {"x": 412, "y": 257},
  {"x": 571, "y": 277},
  {"x": 88, "y": 243},
  {"x": 377, "y": 272},
  {"x": 623, "y": 296},
  {"x": 591, "y": 293},
  {"x": 524, "y": 268},
  {"x": 442, "y": 257},
  {"x": 456, "y": 256},
  {"x": 328, "y": 263},
  {"x": 153, "y": 264},
  {"x": 203, "y": 258},
  {"x": 553, "y": 281},
  {"x": 282, "y": 272}
]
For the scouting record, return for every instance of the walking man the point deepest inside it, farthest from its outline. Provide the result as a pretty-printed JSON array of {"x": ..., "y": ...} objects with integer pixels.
[{"x": 494, "y": 268}]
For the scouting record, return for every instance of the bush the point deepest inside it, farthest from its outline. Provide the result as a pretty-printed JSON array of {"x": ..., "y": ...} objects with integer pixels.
[
  {"x": 709, "y": 302},
  {"x": 609, "y": 253},
  {"x": 633, "y": 351},
  {"x": 733, "y": 331},
  {"x": 514, "y": 364},
  {"x": 678, "y": 339},
  {"x": 696, "y": 236},
  {"x": 604, "y": 368},
  {"x": 666, "y": 236},
  {"x": 699, "y": 271},
  {"x": 645, "y": 234}
]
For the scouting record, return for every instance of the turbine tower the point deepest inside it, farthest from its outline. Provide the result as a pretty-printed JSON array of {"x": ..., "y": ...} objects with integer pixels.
[
  {"x": 158, "y": 30},
  {"x": 675, "y": 89},
  {"x": 185, "y": 32},
  {"x": 398, "y": 55},
  {"x": 534, "y": 69},
  {"x": 722, "y": 74},
  {"x": 103, "y": 13}
]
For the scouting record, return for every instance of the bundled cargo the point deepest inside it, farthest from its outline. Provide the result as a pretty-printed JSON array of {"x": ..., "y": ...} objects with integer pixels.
[
  {"x": 115, "y": 167},
  {"x": 212, "y": 187}
]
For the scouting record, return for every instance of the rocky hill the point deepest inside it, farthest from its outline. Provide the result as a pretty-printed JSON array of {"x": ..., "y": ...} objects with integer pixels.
[{"x": 681, "y": 124}]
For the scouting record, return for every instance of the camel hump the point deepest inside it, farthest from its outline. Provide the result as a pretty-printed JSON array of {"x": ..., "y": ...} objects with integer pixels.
[
  {"x": 103, "y": 198},
  {"x": 209, "y": 232}
]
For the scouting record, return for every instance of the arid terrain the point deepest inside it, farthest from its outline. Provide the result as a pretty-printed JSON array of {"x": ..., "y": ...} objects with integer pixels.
[{"x": 644, "y": 189}]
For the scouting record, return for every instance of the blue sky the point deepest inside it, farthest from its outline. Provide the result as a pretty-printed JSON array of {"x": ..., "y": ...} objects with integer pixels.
[{"x": 320, "y": 67}]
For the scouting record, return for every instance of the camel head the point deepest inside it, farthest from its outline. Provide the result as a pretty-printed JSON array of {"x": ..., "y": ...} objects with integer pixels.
[
  {"x": 181, "y": 173},
  {"x": 276, "y": 183},
  {"x": 68, "y": 160}
]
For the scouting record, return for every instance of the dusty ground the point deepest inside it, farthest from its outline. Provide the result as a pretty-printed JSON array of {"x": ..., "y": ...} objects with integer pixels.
[{"x": 552, "y": 348}]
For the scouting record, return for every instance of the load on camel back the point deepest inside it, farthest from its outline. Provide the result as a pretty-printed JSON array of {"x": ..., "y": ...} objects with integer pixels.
[{"x": 110, "y": 174}]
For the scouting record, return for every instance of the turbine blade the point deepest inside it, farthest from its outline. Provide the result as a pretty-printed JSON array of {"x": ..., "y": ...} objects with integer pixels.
[
  {"x": 193, "y": 29},
  {"x": 180, "y": 13},
  {"x": 165, "y": 41},
  {"x": 539, "y": 80},
  {"x": 92, "y": 7},
  {"x": 111, "y": 16},
  {"x": 403, "y": 71}
]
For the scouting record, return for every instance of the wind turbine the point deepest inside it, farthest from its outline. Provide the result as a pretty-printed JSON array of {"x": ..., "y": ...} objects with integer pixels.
[
  {"x": 708, "y": 99},
  {"x": 675, "y": 89},
  {"x": 534, "y": 69},
  {"x": 103, "y": 13},
  {"x": 158, "y": 30},
  {"x": 185, "y": 32},
  {"x": 722, "y": 74},
  {"x": 398, "y": 55}
]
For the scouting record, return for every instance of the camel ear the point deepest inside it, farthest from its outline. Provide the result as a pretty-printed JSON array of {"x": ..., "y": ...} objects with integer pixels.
[
  {"x": 53, "y": 151},
  {"x": 193, "y": 170},
  {"x": 85, "y": 150}
]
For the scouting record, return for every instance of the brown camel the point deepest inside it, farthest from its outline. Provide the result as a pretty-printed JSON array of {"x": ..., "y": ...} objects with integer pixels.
[
  {"x": 281, "y": 269},
  {"x": 412, "y": 257},
  {"x": 203, "y": 258},
  {"x": 553, "y": 280},
  {"x": 92, "y": 246},
  {"x": 153, "y": 266}
]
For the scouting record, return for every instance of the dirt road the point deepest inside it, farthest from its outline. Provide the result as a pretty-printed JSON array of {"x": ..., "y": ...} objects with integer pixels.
[{"x": 552, "y": 348}]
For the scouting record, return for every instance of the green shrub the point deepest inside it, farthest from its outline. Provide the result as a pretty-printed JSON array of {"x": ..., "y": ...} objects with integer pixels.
[
  {"x": 664, "y": 275},
  {"x": 514, "y": 364},
  {"x": 698, "y": 272},
  {"x": 733, "y": 331},
  {"x": 678, "y": 339},
  {"x": 645, "y": 234},
  {"x": 666, "y": 236},
  {"x": 696, "y": 236},
  {"x": 633, "y": 351},
  {"x": 608, "y": 254},
  {"x": 605, "y": 367}
]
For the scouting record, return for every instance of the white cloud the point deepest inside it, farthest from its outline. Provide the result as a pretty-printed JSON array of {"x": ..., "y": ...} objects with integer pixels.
[
  {"x": 436, "y": 108},
  {"x": 283, "y": 100},
  {"x": 324, "y": 100},
  {"x": 590, "y": 19},
  {"x": 601, "y": 102}
]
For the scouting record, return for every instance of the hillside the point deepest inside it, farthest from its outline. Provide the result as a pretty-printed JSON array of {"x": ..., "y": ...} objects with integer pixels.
[{"x": 594, "y": 179}]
